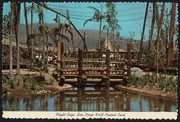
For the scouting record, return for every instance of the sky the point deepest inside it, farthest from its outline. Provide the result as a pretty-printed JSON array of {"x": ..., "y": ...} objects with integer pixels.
[{"x": 130, "y": 16}]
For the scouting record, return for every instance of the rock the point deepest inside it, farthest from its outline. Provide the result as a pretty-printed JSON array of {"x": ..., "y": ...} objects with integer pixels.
[{"x": 137, "y": 72}]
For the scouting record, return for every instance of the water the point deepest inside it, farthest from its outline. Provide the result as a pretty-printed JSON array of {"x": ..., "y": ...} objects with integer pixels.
[{"x": 90, "y": 99}]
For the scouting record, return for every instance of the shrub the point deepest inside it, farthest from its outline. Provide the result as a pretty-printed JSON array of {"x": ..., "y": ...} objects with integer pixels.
[
  {"x": 33, "y": 85},
  {"x": 40, "y": 80},
  {"x": 143, "y": 82}
]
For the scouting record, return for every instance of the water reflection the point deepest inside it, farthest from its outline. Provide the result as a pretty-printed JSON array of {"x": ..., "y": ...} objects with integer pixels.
[{"x": 90, "y": 99}]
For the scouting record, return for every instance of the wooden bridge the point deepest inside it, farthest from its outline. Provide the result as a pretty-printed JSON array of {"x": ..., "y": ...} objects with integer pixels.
[{"x": 86, "y": 68}]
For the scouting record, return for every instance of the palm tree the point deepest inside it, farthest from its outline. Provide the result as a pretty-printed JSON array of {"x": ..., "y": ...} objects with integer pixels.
[
  {"x": 55, "y": 33},
  {"x": 37, "y": 10},
  {"x": 98, "y": 16},
  {"x": 112, "y": 21}
]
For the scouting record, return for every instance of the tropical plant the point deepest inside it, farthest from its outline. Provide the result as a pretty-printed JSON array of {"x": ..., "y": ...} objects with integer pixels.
[
  {"x": 113, "y": 23},
  {"x": 37, "y": 9},
  {"x": 98, "y": 16}
]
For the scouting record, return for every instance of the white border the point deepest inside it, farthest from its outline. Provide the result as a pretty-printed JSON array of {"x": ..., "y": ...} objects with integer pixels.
[{"x": 88, "y": 115}]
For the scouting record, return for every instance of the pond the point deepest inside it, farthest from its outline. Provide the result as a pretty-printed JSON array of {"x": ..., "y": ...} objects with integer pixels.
[{"x": 89, "y": 99}]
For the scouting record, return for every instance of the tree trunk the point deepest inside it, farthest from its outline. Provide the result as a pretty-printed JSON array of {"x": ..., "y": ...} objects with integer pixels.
[
  {"x": 99, "y": 39},
  {"x": 32, "y": 17},
  {"x": 66, "y": 18},
  {"x": 152, "y": 27},
  {"x": 10, "y": 45},
  {"x": 142, "y": 36},
  {"x": 73, "y": 46},
  {"x": 32, "y": 44},
  {"x": 47, "y": 50},
  {"x": 157, "y": 21},
  {"x": 27, "y": 27},
  {"x": 158, "y": 38},
  {"x": 171, "y": 34},
  {"x": 44, "y": 48},
  {"x": 17, "y": 19},
  {"x": 100, "y": 26}
]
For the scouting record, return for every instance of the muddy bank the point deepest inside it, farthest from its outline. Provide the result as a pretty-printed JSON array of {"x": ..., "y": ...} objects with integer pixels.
[
  {"x": 154, "y": 92},
  {"x": 19, "y": 92},
  {"x": 30, "y": 84}
]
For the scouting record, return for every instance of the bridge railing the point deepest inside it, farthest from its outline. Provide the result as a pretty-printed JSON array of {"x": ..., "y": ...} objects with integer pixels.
[{"x": 96, "y": 62}]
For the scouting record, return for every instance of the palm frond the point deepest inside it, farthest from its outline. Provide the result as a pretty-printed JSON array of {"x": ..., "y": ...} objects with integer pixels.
[
  {"x": 95, "y": 9},
  {"x": 105, "y": 27},
  {"x": 63, "y": 37},
  {"x": 70, "y": 33},
  {"x": 88, "y": 20}
]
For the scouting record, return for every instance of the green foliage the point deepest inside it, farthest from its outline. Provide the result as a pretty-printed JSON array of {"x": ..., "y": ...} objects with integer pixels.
[
  {"x": 32, "y": 82},
  {"x": 143, "y": 82},
  {"x": 167, "y": 84},
  {"x": 134, "y": 81},
  {"x": 6, "y": 25},
  {"x": 12, "y": 86},
  {"x": 18, "y": 82},
  {"x": 40, "y": 80},
  {"x": 33, "y": 85},
  {"x": 111, "y": 19},
  {"x": 51, "y": 80},
  {"x": 26, "y": 80},
  {"x": 40, "y": 65}
]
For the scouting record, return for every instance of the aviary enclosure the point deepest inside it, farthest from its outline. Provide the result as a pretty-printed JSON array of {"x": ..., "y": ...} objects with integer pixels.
[{"x": 89, "y": 56}]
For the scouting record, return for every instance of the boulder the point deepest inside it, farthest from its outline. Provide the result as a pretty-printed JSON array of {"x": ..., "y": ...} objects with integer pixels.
[{"x": 137, "y": 72}]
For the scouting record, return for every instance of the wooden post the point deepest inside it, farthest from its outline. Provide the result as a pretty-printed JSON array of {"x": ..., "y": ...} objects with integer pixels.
[
  {"x": 118, "y": 55},
  {"x": 61, "y": 101},
  {"x": 128, "y": 101},
  {"x": 62, "y": 80},
  {"x": 58, "y": 60},
  {"x": 84, "y": 41},
  {"x": 100, "y": 53},
  {"x": 80, "y": 70},
  {"x": 129, "y": 59},
  {"x": 79, "y": 100},
  {"x": 108, "y": 63}
]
